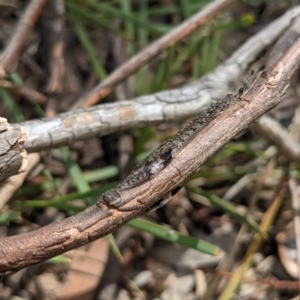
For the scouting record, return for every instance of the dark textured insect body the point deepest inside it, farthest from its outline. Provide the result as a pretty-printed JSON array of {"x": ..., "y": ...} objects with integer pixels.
[{"x": 164, "y": 154}]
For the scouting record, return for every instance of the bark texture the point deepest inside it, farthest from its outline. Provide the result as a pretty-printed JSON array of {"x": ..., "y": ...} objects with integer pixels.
[{"x": 13, "y": 158}]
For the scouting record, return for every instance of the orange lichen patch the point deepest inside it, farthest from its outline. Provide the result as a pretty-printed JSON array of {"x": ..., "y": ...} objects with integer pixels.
[
  {"x": 126, "y": 113},
  {"x": 80, "y": 118}
]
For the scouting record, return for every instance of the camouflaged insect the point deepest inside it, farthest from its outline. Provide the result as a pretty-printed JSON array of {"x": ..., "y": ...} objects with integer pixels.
[{"x": 164, "y": 154}]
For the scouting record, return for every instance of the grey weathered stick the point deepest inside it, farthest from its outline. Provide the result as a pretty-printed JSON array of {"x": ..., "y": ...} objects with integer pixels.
[
  {"x": 273, "y": 132},
  {"x": 264, "y": 94},
  {"x": 160, "y": 107}
]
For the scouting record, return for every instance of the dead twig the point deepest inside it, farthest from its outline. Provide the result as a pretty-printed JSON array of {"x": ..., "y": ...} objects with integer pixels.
[
  {"x": 32, "y": 95},
  {"x": 164, "y": 106},
  {"x": 11, "y": 55},
  {"x": 144, "y": 56},
  {"x": 97, "y": 221},
  {"x": 274, "y": 133},
  {"x": 269, "y": 128}
]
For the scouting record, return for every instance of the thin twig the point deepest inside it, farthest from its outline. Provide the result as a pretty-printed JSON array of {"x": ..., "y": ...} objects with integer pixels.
[
  {"x": 269, "y": 128},
  {"x": 31, "y": 94},
  {"x": 157, "y": 47},
  {"x": 156, "y": 108},
  {"x": 97, "y": 221},
  {"x": 11, "y": 55},
  {"x": 274, "y": 133}
]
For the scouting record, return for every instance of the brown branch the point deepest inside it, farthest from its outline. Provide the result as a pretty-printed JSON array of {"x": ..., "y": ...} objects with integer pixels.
[
  {"x": 143, "y": 57},
  {"x": 30, "y": 94},
  {"x": 19, "y": 251},
  {"x": 269, "y": 128},
  {"x": 11, "y": 55}
]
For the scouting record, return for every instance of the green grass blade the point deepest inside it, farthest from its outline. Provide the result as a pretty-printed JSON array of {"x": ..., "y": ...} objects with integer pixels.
[
  {"x": 129, "y": 26},
  {"x": 185, "y": 8},
  {"x": 101, "y": 174},
  {"x": 74, "y": 170},
  {"x": 81, "y": 14},
  {"x": 9, "y": 216},
  {"x": 90, "y": 50},
  {"x": 143, "y": 33},
  {"x": 52, "y": 184},
  {"x": 185, "y": 54},
  {"x": 114, "y": 247},
  {"x": 157, "y": 29},
  {"x": 93, "y": 193},
  {"x": 162, "y": 76},
  {"x": 209, "y": 54},
  {"x": 174, "y": 236},
  {"x": 11, "y": 105},
  {"x": 230, "y": 209}
]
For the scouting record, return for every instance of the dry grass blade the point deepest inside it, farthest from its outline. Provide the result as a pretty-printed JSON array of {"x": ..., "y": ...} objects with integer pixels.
[{"x": 254, "y": 246}]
